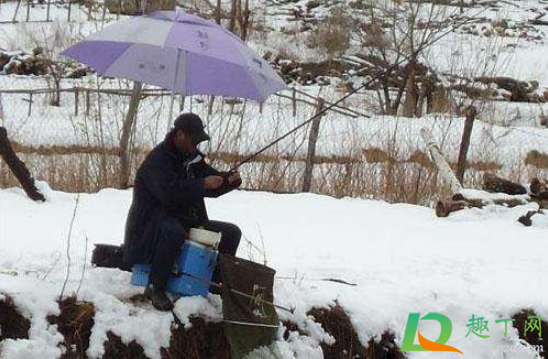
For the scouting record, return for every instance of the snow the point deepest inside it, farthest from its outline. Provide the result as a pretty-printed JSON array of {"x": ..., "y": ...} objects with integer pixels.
[
  {"x": 402, "y": 258},
  {"x": 128, "y": 322},
  {"x": 210, "y": 310}
]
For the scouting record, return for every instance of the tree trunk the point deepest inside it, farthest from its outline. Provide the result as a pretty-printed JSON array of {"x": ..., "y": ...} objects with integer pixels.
[
  {"x": 218, "y": 12},
  {"x": 444, "y": 169},
  {"x": 18, "y": 167},
  {"x": 244, "y": 26},
  {"x": 127, "y": 128},
  {"x": 233, "y": 14},
  {"x": 412, "y": 97},
  {"x": 465, "y": 142}
]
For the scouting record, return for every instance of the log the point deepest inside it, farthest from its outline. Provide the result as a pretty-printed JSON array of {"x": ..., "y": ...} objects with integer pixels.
[
  {"x": 109, "y": 256},
  {"x": 444, "y": 169},
  {"x": 445, "y": 208},
  {"x": 526, "y": 219},
  {"x": 538, "y": 186},
  {"x": 494, "y": 184},
  {"x": 18, "y": 168},
  {"x": 519, "y": 89},
  {"x": 459, "y": 202}
]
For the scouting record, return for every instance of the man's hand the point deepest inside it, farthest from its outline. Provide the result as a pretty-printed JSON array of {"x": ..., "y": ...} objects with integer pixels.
[
  {"x": 234, "y": 179},
  {"x": 213, "y": 182}
]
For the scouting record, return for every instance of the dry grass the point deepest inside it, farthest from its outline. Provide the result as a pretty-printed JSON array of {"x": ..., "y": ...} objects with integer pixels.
[
  {"x": 377, "y": 174},
  {"x": 75, "y": 323},
  {"x": 537, "y": 159},
  {"x": 385, "y": 171}
]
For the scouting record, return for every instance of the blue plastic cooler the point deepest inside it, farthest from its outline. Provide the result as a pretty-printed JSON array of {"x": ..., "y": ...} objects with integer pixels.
[{"x": 192, "y": 273}]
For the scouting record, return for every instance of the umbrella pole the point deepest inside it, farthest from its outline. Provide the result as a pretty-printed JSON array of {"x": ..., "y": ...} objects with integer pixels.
[{"x": 172, "y": 103}]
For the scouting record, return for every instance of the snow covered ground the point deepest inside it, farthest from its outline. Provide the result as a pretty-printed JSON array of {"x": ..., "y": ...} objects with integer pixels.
[{"x": 403, "y": 258}]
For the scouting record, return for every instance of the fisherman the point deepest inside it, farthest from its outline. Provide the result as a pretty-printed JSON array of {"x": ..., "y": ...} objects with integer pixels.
[{"x": 168, "y": 200}]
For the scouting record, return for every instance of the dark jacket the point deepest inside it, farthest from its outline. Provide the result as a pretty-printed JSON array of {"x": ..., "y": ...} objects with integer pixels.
[{"x": 168, "y": 185}]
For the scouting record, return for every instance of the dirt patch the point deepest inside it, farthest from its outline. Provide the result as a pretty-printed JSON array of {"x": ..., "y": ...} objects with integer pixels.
[
  {"x": 336, "y": 322},
  {"x": 12, "y": 324},
  {"x": 203, "y": 340},
  {"x": 537, "y": 159},
  {"x": 116, "y": 349},
  {"x": 75, "y": 323},
  {"x": 532, "y": 337}
]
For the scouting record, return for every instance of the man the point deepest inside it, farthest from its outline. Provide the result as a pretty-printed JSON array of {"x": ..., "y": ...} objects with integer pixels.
[{"x": 168, "y": 200}]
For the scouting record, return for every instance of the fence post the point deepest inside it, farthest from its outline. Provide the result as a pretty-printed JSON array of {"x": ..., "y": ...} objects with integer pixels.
[
  {"x": 470, "y": 113},
  {"x": 104, "y": 15},
  {"x": 28, "y": 10},
  {"x": 16, "y": 11},
  {"x": 76, "y": 97},
  {"x": 88, "y": 3},
  {"x": 182, "y": 104},
  {"x": 294, "y": 102},
  {"x": 210, "y": 107},
  {"x": 312, "y": 140},
  {"x": 127, "y": 129},
  {"x": 48, "y": 11},
  {"x": 87, "y": 102},
  {"x": 30, "y": 104},
  {"x": 69, "y": 9}
]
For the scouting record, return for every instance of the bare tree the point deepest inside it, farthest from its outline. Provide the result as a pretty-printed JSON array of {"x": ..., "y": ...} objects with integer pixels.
[{"x": 390, "y": 33}]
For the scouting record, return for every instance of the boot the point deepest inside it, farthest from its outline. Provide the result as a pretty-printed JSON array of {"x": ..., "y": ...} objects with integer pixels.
[{"x": 158, "y": 299}]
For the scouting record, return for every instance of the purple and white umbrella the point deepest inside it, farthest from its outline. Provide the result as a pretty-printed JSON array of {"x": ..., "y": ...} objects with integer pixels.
[{"x": 179, "y": 52}]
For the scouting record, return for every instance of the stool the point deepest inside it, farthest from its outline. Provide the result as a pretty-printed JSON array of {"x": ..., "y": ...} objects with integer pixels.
[{"x": 193, "y": 268}]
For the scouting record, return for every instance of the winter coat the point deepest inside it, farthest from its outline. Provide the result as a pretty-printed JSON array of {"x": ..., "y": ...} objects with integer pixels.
[{"x": 168, "y": 185}]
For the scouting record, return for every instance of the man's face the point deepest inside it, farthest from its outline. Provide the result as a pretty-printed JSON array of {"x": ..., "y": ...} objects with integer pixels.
[{"x": 184, "y": 143}]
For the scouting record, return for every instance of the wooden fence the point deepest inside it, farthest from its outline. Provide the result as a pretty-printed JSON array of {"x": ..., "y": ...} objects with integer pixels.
[
  {"x": 84, "y": 94},
  {"x": 83, "y": 101}
]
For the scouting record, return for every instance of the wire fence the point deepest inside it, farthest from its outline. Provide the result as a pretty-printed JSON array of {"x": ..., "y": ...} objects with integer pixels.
[{"x": 75, "y": 146}]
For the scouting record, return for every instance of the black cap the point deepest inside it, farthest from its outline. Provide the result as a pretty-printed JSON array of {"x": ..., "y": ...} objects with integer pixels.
[{"x": 192, "y": 125}]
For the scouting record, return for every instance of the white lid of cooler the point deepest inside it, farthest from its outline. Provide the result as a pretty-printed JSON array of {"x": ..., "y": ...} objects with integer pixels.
[{"x": 205, "y": 237}]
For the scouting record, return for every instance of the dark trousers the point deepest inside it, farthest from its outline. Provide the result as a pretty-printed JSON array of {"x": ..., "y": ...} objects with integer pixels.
[{"x": 171, "y": 237}]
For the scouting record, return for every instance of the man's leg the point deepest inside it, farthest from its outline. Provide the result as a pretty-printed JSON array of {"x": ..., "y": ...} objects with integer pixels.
[
  {"x": 171, "y": 237},
  {"x": 230, "y": 239}
]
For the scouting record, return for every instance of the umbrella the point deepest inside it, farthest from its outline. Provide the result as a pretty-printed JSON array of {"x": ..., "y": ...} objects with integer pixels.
[{"x": 179, "y": 52}]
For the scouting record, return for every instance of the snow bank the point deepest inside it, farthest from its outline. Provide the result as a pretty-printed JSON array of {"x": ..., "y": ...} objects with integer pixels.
[{"x": 402, "y": 258}]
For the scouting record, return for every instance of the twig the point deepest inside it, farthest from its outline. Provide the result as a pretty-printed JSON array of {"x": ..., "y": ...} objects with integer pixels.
[
  {"x": 69, "y": 237},
  {"x": 83, "y": 267},
  {"x": 262, "y": 244},
  {"x": 52, "y": 266}
]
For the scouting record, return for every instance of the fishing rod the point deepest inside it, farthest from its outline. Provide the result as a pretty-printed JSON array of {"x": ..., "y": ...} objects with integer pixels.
[{"x": 320, "y": 113}]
